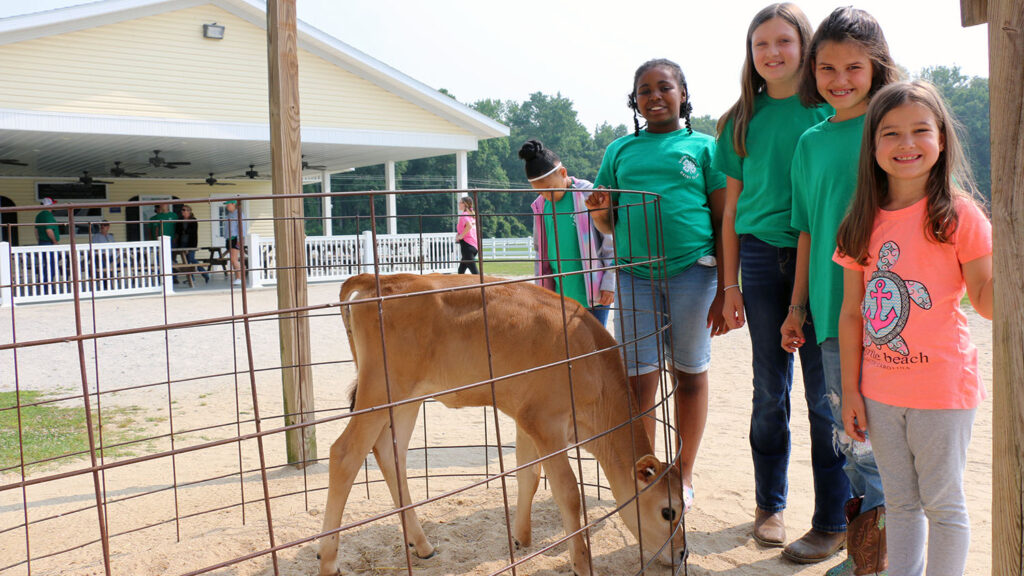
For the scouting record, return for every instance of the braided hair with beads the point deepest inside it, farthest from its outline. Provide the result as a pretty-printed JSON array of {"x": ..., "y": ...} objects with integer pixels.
[{"x": 685, "y": 108}]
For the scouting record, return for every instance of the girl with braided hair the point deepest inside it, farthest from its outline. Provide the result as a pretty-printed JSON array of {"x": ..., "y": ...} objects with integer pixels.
[
  {"x": 666, "y": 250},
  {"x": 564, "y": 236}
]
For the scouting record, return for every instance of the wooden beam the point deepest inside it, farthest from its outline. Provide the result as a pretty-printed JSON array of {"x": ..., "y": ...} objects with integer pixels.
[
  {"x": 289, "y": 227},
  {"x": 1006, "y": 93},
  {"x": 973, "y": 12}
]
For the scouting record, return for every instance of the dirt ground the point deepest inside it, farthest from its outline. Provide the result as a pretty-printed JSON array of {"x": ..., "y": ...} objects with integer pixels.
[{"x": 211, "y": 392}]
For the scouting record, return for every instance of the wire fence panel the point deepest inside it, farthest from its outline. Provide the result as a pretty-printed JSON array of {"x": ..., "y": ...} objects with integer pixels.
[{"x": 145, "y": 432}]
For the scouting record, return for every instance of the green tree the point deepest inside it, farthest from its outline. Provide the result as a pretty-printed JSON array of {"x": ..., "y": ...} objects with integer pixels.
[
  {"x": 968, "y": 98},
  {"x": 705, "y": 124}
]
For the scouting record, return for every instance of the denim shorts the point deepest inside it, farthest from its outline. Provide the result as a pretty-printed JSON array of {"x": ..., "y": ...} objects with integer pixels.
[{"x": 642, "y": 307}]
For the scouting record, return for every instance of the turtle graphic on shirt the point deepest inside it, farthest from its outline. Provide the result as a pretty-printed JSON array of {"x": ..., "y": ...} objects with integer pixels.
[{"x": 887, "y": 299}]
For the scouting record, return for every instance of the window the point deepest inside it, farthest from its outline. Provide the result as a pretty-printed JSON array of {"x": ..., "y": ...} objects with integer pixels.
[{"x": 69, "y": 192}]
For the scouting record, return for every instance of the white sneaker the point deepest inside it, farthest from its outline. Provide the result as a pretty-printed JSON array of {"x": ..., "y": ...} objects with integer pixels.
[{"x": 237, "y": 282}]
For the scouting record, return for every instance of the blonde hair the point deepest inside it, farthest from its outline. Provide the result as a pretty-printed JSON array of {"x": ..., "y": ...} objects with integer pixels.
[
  {"x": 949, "y": 181},
  {"x": 751, "y": 83}
]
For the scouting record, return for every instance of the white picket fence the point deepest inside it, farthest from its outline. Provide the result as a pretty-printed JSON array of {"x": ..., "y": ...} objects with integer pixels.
[
  {"x": 508, "y": 249},
  {"x": 45, "y": 273},
  {"x": 338, "y": 257}
]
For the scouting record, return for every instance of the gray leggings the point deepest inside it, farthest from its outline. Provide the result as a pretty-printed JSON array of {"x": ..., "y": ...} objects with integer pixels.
[{"x": 921, "y": 455}]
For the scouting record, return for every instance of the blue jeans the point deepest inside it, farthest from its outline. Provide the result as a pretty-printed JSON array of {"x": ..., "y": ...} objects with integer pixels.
[
  {"x": 767, "y": 275},
  {"x": 601, "y": 313},
  {"x": 861, "y": 468},
  {"x": 643, "y": 307}
]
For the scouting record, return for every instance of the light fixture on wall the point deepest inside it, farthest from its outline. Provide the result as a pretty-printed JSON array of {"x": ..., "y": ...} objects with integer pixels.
[{"x": 215, "y": 31}]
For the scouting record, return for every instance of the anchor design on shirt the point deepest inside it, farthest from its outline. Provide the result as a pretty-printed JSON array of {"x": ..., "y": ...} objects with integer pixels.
[{"x": 886, "y": 304}]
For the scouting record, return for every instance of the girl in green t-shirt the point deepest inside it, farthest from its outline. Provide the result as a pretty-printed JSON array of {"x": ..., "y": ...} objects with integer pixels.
[
  {"x": 666, "y": 241},
  {"x": 757, "y": 137},
  {"x": 848, "y": 62}
]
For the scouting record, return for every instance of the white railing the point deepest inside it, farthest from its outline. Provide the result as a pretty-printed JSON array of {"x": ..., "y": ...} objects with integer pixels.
[
  {"x": 508, "y": 249},
  {"x": 46, "y": 273},
  {"x": 338, "y": 257}
]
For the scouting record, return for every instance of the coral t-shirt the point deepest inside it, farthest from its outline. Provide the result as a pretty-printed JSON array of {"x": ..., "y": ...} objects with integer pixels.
[{"x": 917, "y": 348}]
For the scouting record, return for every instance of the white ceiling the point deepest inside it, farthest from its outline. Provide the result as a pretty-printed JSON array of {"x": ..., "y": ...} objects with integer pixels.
[{"x": 67, "y": 155}]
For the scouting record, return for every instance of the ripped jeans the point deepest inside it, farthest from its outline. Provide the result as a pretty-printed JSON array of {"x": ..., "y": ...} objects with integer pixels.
[{"x": 860, "y": 466}]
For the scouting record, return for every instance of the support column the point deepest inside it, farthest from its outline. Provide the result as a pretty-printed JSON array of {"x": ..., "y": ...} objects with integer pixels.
[
  {"x": 462, "y": 170},
  {"x": 289, "y": 229},
  {"x": 325, "y": 205},
  {"x": 1006, "y": 103},
  {"x": 389, "y": 183}
]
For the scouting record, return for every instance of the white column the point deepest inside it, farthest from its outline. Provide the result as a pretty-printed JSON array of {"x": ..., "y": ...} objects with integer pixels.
[
  {"x": 368, "y": 256},
  {"x": 389, "y": 184},
  {"x": 6, "y": 298},
  {"x": 166, "y": 264},
  {"x": 257, "y": 267},
  {"x": 462, "y": 170},
  {"x": 325, "y": 205}
]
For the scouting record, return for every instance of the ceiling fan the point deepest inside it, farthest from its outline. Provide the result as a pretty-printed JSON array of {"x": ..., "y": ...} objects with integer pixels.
[
  {"x": 157, "y": 162},
  {"x": 12, "y": 162},
  {"x": 87, "y": 180},
  {"x": 307, "y": 166},
  {"x": 212, "y": 182},
  {"x": 251, "y": 173},
  {"x": 118, "y": 172}
]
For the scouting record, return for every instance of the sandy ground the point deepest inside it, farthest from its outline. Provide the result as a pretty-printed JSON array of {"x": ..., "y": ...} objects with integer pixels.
[{"x": 210, "y": 391}]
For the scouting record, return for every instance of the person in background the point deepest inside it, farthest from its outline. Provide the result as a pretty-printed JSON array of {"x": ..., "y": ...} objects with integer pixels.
[
  {"x": 162, "y": 223},
  {"x": 466, "y": 237},
  {"x": 48, "y": 234},
  {"x": 580, "y": 246},
  {"x": 101, "y": 234},
  {"x": 186, "y": 236},
  {"x": 233, "y": 241},
  {"x": 47, "y": 230},
  {"x": 103, "y": 267}
]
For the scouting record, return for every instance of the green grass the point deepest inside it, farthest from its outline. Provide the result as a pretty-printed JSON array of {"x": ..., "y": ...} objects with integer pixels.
[
  {"x": 51, "y": 430},
  {"x": 505, "y": 268}
]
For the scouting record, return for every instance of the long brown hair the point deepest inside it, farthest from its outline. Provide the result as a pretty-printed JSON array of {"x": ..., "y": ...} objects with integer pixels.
[
  {"x": 949, "y": 181},
  {"x": 848, "y": 24},
  {"x": 751, "y": 83}
]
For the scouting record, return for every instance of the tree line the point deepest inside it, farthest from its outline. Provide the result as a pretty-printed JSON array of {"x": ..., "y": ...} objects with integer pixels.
[{"x": 554, "y": 121}]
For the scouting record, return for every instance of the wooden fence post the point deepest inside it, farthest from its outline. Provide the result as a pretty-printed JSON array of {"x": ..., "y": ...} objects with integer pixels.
[{"x": 289, "y": 231}]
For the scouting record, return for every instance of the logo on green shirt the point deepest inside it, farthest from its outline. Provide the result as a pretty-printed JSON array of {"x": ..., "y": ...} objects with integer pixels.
[{"x": 689, "y": 167}]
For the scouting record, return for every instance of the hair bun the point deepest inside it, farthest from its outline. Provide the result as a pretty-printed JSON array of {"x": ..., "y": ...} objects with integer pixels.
[{"x": 531, "y": 149}]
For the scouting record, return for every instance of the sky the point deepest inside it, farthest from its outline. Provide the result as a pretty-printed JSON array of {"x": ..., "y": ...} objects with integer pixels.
[{"x": 588, "y": 50}]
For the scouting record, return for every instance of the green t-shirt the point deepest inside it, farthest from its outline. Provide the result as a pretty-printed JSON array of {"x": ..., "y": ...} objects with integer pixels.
[
  {"x": 824, "y": 180},
  {"x": 167, "y": 227},
  {"x": 677, "y": 166},
  {"x": 767, "y": 199},
  {"x": 567, "y": 258},
  {"x": 45, "y": 221}
]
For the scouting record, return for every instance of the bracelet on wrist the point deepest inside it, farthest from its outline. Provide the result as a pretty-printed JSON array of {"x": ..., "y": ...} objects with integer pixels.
[
  {"x": 730, "y": 286},
  {"x": 798, "y": 308}
]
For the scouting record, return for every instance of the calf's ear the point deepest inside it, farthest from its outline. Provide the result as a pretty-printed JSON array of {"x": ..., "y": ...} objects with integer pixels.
[{"x": 647, "y": 469}]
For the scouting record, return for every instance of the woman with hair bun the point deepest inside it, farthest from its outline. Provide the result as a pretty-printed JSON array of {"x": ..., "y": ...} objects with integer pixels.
[{"x": 571, "y": 252}]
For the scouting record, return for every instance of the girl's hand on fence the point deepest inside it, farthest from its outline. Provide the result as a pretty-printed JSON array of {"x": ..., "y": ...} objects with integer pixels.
[
  {"x": 607, "y": 298},
  {"x": 598, "y": 199}
]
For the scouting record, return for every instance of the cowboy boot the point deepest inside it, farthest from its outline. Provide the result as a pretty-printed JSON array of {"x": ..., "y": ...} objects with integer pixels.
[
  {"x": 866, "y": 542},
  {"x": 847, "y": 566}
]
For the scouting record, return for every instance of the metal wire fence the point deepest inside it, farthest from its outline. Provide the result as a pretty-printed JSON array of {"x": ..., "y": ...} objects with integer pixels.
[{"x": 145, "y": 433}]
